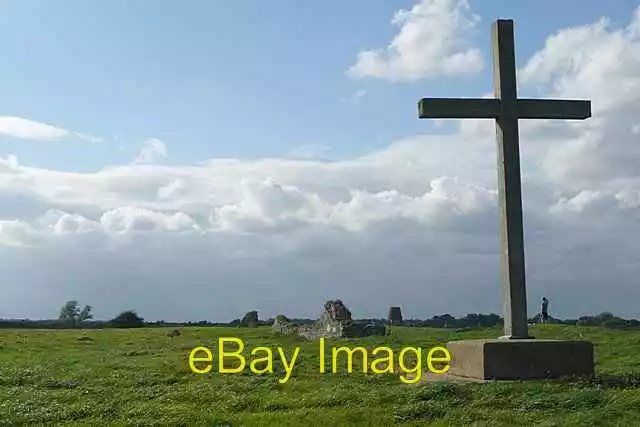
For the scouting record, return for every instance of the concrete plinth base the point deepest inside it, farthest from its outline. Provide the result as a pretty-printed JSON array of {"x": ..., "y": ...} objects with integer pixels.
[{"x": 500, "y": 359}]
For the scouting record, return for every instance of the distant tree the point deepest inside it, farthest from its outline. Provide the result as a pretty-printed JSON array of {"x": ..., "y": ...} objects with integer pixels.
[
  {"x": 586, "y": 321},
  {"x": 479, "y": 320},
  {"x": 442, "y": 321},
  {"x": 85, "y": 314},
  {"x": 615, "y": 323},
  {"x": 127, "y": 319},
  {"x": 598, "y": 320},
  {"x": 603, "y": 318},
  {"x": 69, "y": 313},
  {"x": 493, "y": 320},
  {"x": 634, "y": 323}
]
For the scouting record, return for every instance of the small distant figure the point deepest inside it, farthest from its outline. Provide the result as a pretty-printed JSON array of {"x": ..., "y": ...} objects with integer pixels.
[{"x": 545, "y": 310}]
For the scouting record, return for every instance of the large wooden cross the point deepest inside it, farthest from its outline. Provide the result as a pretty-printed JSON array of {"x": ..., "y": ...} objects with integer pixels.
[{"x": 506, "y": 109}]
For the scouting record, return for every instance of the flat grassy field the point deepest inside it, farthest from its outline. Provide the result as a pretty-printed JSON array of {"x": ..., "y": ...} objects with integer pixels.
[{"x": 142, "y": 377}]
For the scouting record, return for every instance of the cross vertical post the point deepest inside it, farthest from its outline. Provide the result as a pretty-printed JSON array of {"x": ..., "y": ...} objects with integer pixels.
[{"x": 514, "y": 297}]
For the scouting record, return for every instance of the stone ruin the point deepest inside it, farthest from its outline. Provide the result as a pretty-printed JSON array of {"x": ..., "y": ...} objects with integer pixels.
[
  {"x": 174, "y": 333},
  {"x": 395, "y": 316},
  {"x": 282, "y": 325},
  {"x": 335, "y": 317},
  {"x": 250, "y": 319},
  {"x": 336, "y": 322}
]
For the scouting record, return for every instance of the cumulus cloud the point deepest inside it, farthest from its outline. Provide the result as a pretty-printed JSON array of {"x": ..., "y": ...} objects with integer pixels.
[
  {"x": 138, "y": 219},
  {"x": 17, "y": 233},
  {"x": 59, "y": 222},
  {"x": 601, "y": 63},
  {"x": 433, "y": 40},
  {"x": 153, "y": 151}
]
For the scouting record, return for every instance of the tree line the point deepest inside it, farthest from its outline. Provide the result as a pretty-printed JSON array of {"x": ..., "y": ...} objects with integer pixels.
[{"x": 72, "y": 315}]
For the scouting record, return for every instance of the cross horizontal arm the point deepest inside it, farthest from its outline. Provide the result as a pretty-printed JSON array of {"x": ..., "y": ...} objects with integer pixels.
[
  {"x": 487, "y": 108},
  {"x": 553, "y": 109},
  {"x": 458, "y": 108}
]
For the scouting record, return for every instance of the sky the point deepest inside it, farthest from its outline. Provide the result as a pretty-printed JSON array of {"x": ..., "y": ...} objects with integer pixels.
[{"x": 197, "y": 160}]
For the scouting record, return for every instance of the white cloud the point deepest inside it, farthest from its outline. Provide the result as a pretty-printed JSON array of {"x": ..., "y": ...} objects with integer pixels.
[
  {"x": 153, "y": 150},
  {"x": 311, "y": 152},
  {"x": 89, "y": 138},
  {"x": 18, "y": 127},
  {"x": 139, "y": 219},
  {"x": 433, "y": 41},
  {"x": 17, "y": 233},
  {"x": 600, "y": 63},
  {"x": 27, "y": 129},
  {"x": 60, "y": 222},
  {"x": 355, "y": 97}
]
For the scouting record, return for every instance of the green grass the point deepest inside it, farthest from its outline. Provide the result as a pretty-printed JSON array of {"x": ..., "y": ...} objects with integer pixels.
[{"x": 141, "y": 377}]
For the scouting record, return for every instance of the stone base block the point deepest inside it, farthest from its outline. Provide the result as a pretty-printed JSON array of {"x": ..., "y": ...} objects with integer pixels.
[{"x": 503, "y": 359}]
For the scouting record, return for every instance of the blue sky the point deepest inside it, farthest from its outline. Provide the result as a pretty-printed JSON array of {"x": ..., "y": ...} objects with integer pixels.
[
  {"x": 196, "y": 160},
  {"x": 229, "y": 79}
]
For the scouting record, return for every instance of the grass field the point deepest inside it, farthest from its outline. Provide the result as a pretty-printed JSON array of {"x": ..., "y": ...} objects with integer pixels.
[{"x": 141, "y": 377}]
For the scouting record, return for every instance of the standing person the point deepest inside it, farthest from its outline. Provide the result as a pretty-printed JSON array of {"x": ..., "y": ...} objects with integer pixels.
[{"x": 545, "y": 310}]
